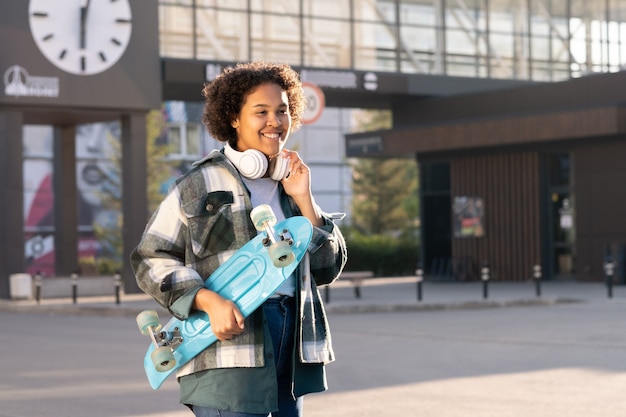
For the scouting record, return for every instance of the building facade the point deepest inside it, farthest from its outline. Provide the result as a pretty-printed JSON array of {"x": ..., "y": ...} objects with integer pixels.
[{"x": 416, "y": 59}]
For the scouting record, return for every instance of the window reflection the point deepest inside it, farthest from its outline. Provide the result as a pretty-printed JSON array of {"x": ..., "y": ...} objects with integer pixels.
[{"x": 539, "y": 40}]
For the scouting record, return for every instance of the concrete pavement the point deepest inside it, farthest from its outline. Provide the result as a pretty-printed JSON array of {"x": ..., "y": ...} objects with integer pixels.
[
  {"x": 374, "y": 295},
  {"x": 544, "y": 362}
]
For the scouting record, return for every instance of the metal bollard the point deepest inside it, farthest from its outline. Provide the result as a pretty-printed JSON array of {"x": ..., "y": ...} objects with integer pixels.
[
  {"x": 537, "y": 278},
  {"x": 38, "y": 284},
  {"x": 357, "y": 287},
  {"x": 609, "y": 271},
  {"x": 484, "y": 276},
  {"x": 117, "y": 279},
  {"x": 419, "y": 273},
  {"x": 74, "y": 278}
]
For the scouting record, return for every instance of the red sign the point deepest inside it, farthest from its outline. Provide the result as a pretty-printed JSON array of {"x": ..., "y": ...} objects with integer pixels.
[{"x": 315, "y": 103}]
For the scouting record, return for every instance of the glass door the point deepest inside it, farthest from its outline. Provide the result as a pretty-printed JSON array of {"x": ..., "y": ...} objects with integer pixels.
[{"x": 561, "y": 221}]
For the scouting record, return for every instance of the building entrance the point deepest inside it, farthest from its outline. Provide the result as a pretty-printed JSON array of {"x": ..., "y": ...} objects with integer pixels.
[{"x": 561, "y": 219}]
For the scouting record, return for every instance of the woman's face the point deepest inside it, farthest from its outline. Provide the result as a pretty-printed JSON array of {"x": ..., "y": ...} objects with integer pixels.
[{"x": 264, "y": 122}]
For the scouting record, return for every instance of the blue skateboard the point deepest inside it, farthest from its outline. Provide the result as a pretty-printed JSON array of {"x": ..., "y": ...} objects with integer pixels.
[{"x": 248, "y": 278}]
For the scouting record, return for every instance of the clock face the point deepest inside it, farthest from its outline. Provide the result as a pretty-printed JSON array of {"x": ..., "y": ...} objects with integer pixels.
[{"x": 83, "y": 37}]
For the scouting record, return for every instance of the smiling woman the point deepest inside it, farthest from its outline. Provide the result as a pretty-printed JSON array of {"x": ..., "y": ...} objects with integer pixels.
[{"x": 256, "y": 367}]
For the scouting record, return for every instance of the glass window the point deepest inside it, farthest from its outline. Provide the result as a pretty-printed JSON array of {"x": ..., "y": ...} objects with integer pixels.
[
  {"x": 417, "y": 14},
  {"x": 559, "y": 169},
  {"x": 276, "y": 37},
  {"x": 226, "y": 4},
  {"x": 543, "y": 40},
  {"x": 276, "y": 7},
  {"x": 435, "y": 177},
  {"x": 327, "y": 43},
  {"x": 339, "y": 9},
  {"x": 375, "y": 46},
  {"x": 184, "y": 140},
  {"x": 176, "y": 31},
  {"x": 221, "y": 35}
]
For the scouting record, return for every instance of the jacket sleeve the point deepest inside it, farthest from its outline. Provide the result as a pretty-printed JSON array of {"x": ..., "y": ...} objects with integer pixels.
[
  {"x": 327, "y": 251},
  {"x": 158, "y": 261}
]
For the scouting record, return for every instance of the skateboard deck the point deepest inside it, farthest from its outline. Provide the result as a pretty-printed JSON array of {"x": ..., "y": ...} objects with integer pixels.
[{"x": 248, "y": 278}]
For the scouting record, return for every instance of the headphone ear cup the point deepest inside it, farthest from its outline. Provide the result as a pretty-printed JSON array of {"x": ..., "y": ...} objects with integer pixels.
[
  {"x": 251, "y": 163},
  {"x": 279, "y": 168}
]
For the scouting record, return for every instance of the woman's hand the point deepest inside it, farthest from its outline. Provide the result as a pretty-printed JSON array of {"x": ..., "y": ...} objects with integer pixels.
[
  {"x": 298, "y": 186},
  {"x": 226, "y": 319}
]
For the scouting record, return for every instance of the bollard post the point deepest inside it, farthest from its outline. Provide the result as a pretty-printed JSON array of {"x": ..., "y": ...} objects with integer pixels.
[
  {"x": 419, "y": 273},
  {"x": 74, "y": 279},
  {"x": 609, "y": 270},
  {"x": 537, "y": 277},
  {"x": 38, "y": 283},
  {"x": 357, "y": 287},
  {"x": 484, "y": 276},
  {"x": 327, "y": 291},
  {"x": 117, "y": 279}
]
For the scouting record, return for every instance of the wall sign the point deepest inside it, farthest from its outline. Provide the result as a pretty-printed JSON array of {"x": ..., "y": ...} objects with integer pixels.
[{"x": 315, "y": 103}]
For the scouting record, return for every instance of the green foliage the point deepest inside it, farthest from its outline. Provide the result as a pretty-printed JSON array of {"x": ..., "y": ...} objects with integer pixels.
[
  {"x": 384, "y": 195},
  {"x": 384, "y": 255},
  {"x": 383, "y": 236}
]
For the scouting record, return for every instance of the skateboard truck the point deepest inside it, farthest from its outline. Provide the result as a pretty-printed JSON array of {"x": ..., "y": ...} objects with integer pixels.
[
  {"x": 278, "y": 245},
  {"x": 164, "y": 341}
]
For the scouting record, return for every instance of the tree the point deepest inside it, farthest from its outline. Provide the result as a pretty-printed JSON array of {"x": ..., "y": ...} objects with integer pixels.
[
  {"x": 384, "y": 195},
  {"x": 383, "y": 233},
  {"x": 384, "y": 191}
]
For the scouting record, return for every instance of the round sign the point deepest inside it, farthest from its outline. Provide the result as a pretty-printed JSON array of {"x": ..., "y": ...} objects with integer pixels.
[{"x": 315, "y": 103}]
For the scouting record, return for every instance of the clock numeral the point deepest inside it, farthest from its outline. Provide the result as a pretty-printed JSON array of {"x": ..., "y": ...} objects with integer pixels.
[
  {"x": 48, "y": 37},
  {"x": 102, "y": 56},
  {"x": 122, "y": 20},
  {"x": 40, "y": 14},
  {"x": 62, "y": 54},
  {"x": 83, "y": 63},
  {"x": 116, "y": 42}
]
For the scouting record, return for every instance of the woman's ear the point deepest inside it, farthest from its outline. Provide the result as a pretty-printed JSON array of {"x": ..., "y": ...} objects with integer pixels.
[{"x": 234, "y": 123}]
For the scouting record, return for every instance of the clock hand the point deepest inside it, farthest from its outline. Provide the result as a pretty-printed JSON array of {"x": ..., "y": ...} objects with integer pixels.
[{"x": 83, "y": 24}]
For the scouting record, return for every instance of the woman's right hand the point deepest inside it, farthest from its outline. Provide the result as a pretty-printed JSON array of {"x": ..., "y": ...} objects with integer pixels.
[{"x": 225, "y": 317}]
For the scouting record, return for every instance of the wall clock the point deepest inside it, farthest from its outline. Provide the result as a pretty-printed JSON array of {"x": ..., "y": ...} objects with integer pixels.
[{"x": 82, "y": 37}]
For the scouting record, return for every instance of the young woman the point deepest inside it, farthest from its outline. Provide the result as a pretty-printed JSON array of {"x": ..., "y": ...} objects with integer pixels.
[{"x": 262, "y": 364}]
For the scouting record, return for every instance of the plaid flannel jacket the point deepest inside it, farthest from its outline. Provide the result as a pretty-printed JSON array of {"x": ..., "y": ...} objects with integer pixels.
[{"x": 201, "y": 222}]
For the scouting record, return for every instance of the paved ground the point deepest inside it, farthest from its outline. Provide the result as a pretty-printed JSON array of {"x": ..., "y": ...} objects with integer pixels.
[{"x": 453, "y": 353}]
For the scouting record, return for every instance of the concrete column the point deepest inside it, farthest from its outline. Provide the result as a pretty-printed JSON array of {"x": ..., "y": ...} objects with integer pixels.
[
  {"x": 134, "y": 190},
  {"x": 11, "y": 198},
  {"x": 65, "y": 201}
]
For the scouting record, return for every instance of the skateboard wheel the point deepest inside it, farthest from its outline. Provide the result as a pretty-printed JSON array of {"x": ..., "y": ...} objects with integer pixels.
[
  {"x": 281, "y": 254},
  {"x": 147, "y": 319},
  {"x": 262, "y": 214},
  {"x": 163, "y": 359}
]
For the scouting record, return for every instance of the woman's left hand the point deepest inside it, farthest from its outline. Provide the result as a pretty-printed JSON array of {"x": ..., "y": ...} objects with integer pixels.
[
  {"x": 298, "y": 186},
  {"x": 298, "y": 182}
]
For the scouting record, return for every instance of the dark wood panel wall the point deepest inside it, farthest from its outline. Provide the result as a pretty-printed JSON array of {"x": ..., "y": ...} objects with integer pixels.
[
  {"x": 600, "y": 204},
  {"x": 509, "y": 184}
]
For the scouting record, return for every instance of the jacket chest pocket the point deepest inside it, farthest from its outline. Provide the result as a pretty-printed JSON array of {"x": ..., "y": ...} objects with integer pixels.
[{"x": 210, "y": 223}]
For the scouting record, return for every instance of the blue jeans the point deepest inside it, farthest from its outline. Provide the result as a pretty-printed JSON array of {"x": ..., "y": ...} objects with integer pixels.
[{"x": 280, "y": 314}]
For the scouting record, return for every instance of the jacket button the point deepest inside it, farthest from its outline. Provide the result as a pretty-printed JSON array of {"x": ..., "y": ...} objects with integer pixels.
[{"x": 209, "y": 207}]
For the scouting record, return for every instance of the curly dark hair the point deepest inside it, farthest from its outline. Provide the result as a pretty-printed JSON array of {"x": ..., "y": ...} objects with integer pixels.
[{"x": 224, "y": 96}]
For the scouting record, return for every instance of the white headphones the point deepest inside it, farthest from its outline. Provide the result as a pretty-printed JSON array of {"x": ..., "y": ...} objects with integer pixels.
[{"x": 253, "y": 164}]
